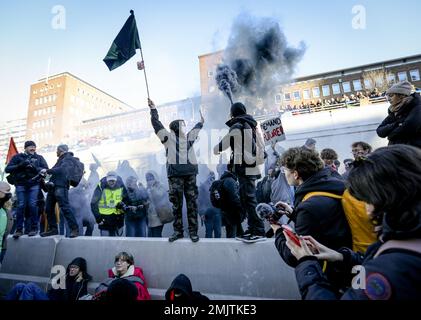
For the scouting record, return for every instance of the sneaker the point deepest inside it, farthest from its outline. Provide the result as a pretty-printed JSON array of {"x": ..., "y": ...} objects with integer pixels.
[
  {"x": 251, "y": 238},
  {"x": 74, "y": 233},
  {"x": 32, "y": 233},
  {"x": 17, "y": 234},
  {"x": 194, "y": 237},
  {"x": 49, "y": 233},
  {"x": 175, "y": 236}
]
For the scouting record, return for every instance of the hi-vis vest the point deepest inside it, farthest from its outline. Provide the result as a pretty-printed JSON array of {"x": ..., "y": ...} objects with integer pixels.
[{"x": 109, "y": 200}]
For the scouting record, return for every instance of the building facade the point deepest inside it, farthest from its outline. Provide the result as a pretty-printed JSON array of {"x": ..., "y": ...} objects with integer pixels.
[
  {"x": 324, "y": 86},
  {"x": 59, "y": 104},
  {"x": 12, "y": 128}
]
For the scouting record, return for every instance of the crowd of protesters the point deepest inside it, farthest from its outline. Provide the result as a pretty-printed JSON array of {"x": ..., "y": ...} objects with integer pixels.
[
  {"x": 324, "y": 223},
  {"x": 337, "y": 101}
]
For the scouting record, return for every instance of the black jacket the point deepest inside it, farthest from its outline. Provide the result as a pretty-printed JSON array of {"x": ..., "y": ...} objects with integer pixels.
[
  {"x": 404, "y": 127},
  {"x": 59, "y": 172},
  {"x": 236, "y": 139},
  {"x": 181, "y": 284},
  {"x": 232, "y": 210},
  {"x": 109, "y": 221},
  {"x": 395, "y": 274},
  {"x": 320, "y": 217},
  {"x": 24, "y": 167},
  {"x": 181, "y": 161}
]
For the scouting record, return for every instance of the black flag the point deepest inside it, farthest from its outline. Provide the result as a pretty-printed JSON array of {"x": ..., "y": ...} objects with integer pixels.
[{"x": 124, "y": 45}]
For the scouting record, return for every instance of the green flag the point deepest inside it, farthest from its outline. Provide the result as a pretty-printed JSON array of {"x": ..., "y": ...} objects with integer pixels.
[{"x": 124, "y": 45}]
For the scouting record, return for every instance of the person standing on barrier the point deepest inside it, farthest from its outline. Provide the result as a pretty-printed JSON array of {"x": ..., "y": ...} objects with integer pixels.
[
  {"x": 24, "y": 169},
  {"x": 58, "y": 186},
  {"x": 182, "y": 170},
  {"x": 243, "y": 140}
]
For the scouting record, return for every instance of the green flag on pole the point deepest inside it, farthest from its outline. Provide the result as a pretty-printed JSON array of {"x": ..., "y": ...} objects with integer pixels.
[{"x": 124, "y": 45}]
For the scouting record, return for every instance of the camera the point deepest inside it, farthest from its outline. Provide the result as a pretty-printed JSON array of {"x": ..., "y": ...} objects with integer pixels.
[{"x": 269, "y": 212}]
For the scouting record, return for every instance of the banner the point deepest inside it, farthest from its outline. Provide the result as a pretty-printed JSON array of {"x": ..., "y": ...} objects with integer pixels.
[{"x": 273, "y": 131}]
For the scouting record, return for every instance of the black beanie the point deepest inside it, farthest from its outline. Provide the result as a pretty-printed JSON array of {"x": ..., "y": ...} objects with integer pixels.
[
  {"x": 29, "y": 143},
  {"x": 238, "y": 109},
  {"x": 121, "y": 290}
]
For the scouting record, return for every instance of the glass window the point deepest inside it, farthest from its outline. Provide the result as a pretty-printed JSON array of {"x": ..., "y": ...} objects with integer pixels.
[
  {"x": 391, "y": 78},
  {"x": 210, "y": 74},
  {"x": 297, "y": 95},
  {"x": 306, "y": 94},
  {"x": 346, "y": 86},
  {"x": 402, "y": 76},
  {"x": 53, "y": 109},
  {"x": 368, "y": 84},
  {"x": 326, "y": 90},
  {"x": 415, "y": 75},
  {"x": 357, "y": 85},
  {"x": 336, "y": 89},
  {"x": 36, "y": 102},
  {"x": 316, "y": 92},
  {"x": 287, "y": 96},
  {"x": 278, "y": 98}
]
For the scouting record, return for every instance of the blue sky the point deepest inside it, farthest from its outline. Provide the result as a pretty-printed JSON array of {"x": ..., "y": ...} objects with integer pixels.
[{"x": 175, "y": 33}]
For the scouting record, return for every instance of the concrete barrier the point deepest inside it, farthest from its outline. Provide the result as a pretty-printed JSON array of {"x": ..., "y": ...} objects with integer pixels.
[{"x": 219, "y": 268}]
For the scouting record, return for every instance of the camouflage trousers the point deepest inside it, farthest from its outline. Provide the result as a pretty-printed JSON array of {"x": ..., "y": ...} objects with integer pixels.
[{"x": 184, "y": 185}]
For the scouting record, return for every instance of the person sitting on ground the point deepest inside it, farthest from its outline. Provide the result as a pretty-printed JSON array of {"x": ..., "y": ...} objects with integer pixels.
[
  {"x": 124, "y": 268},
  {"x": 77, "y": 279},
  {"x": 389, "y": 182},
  {"x": 181, "y": 290}
]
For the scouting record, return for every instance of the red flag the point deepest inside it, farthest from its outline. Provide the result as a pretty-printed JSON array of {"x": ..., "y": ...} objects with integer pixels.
[
  {"x": 140, "y": 65},
  {"x": 12, "y": 150}
]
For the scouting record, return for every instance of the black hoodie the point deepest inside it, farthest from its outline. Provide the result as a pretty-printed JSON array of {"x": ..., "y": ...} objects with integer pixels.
[
  {"x": 75, "y": 289},
  {"x": 181, "y": 284},
  {"x": 239, "y": 125},
  {"x": 320, "y": 217}
]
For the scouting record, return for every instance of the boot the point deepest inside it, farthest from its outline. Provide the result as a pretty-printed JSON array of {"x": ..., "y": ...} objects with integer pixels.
[
  {"x": 176, "y": 235},
  {"x": 17, "y": 234},
  {"x": 194, "y": 237},
  {"x": 49, "y": 233},
  {"x": 74, "y": 233}
]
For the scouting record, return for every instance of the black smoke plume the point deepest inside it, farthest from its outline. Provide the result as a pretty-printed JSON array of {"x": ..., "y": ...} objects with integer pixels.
[{"x": 257, "y": 59}]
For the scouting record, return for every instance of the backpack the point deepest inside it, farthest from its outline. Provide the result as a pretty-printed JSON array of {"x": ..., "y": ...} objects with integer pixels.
[
  {"x": 75, "y": 171},
  {"x": 264, "y": 190},
  {"x": 362, "y": 229},
  {"x": 216, "y": 193}
]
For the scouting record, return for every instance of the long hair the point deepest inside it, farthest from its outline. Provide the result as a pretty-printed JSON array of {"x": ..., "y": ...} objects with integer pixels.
[{"x": 390, "y": 180}]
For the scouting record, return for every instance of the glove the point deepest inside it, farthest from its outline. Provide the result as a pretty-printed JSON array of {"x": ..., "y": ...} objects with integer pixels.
[
  {"x": 25, "y": 163},
  {"x": 99, "y": 220}
]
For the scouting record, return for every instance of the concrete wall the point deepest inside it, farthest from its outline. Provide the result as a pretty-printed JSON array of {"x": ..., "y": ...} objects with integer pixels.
[{"x": 219, "y": 268}]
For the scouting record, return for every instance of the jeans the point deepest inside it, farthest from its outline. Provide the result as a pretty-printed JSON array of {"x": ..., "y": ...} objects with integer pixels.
[
  {"x": 29, "y": 291},
  {"x": 155, "y": 232},
  {"x": 60, "y": 195},
  {"x": 234, "y": 230},
  {"x": 213, "y": 223},
  {"x": 111, "y": 233},
  {"x": 136, "y": 227},
  {"x": 248, "y": 199},
  {"x": 27, "y": 197}
]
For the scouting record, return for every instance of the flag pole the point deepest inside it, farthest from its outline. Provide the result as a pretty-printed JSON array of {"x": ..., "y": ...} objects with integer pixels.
[{"x": 143, "y": 61}]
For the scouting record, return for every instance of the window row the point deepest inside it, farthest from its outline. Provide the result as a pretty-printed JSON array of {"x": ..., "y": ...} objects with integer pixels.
[
  {"x": 345, "y": 87},
  {"x": 44, "y": 111},
  {"x": 46, "y": 99},
  {"x": 46, "y": 88},
  {"x": 42, "y": 135},
  {"x": 43, "y": 123}
]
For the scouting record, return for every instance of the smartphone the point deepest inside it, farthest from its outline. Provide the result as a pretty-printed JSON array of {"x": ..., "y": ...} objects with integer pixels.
[{"x": 292, "y": 235}]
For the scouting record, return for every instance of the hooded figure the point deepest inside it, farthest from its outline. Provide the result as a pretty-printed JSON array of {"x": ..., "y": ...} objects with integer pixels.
[
  {"x": 77, "y": 279},
  {"x": 181, "y": 290},
  {"x": 243, "y": 139}
]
